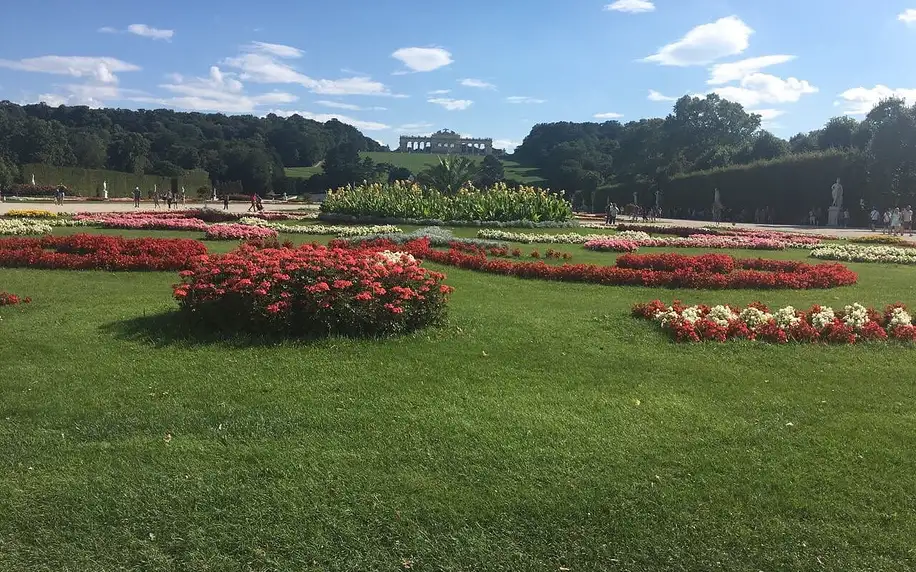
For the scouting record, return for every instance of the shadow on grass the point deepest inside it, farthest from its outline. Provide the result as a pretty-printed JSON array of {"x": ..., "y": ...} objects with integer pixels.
[{"x": 172, "y": 328}]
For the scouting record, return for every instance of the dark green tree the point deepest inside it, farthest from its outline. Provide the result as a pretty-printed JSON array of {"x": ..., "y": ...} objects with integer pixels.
[{"x": 491, "y": 171}]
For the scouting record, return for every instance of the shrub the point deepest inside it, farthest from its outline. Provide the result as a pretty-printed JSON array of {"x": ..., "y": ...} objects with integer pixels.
[
  {"x": 407, "y": 200},
  {"x": 312, "y": 291},
  {"x": 97, "y": 252}
]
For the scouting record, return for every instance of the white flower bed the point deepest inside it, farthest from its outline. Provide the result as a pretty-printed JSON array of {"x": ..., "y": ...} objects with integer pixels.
[
  {"x": 24, "y": 227},
  {"x": 865, "y": 253},
  {"x": 321, "y": 229},
  {"x": 530, "y": 237}
]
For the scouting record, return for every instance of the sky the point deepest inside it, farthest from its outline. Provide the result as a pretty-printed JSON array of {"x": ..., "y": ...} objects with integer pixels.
[{"x": 483, "y": 68}]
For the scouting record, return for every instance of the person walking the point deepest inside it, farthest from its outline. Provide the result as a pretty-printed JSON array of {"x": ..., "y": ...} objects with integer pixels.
[
  {"x": 155, "y": 200},
  {"x": 607, "y": 213},
  {"x": 226, "y": 202},
  {"x": 136, "y": 197},
  {"x": 896, "y": 222},
  {"x": 168, "y": 200},
  {"x": 845, "y": 218},
  {"x": 887, "y": 221},
  {"x": 254, "y": 203},
  {"x": 907, "y": 215},
  {"x": 874, "y": 216}
]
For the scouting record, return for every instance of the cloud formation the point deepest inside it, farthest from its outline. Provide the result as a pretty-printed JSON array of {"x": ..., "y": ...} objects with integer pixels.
[
  {"x": 325, "y": 117},
  {"x": 656, "y": 96},
  {"x": 477, "y": 83},
  {"x": 908, "y": 16},
  {"x": 631, "y": 6},
  {"x": 705, "y": 44},
  {"x": 524, "y": 99},
  {"x": 736, "y": 71},
  {"x": 348, "y": 106},
  {"x": 759, "y": 88},
  {"x": 100, "y": 69},
  {"x": 608, "y": 115},
  {"x": 861, "y": 100},
  {"x": 451, "y": 104},
  {"x": 423, "y": 59},
  {"x": 141, "y": 30}
]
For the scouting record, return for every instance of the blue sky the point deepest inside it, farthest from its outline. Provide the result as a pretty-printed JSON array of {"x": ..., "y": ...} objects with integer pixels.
[{"x": 482, "y": 68}]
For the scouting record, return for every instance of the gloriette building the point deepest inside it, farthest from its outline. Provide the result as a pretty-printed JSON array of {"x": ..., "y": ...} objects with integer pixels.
[{"x": 445, "y": 142}]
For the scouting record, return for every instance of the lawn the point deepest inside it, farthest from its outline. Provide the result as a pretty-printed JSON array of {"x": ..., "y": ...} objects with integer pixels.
[
  {"x": 541, "y": 429},
  {"x": 416, "y": 162}
]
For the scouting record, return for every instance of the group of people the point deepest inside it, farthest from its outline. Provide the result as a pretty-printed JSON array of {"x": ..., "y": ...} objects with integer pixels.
[
  {"x": 816, "y": 217},
  {"x": 171, "y": 198},
  {"x": 892, "y": 221},
  {"x": 612, "y": 211},
  {"x": 59, "y": 194},
  {"x": 256, "y": 205}
]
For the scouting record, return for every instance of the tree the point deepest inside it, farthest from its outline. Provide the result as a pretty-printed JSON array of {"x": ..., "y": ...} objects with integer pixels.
[
  {"x": 804, "y": 142},
  {"x": 399, "y": 174},
  {"x": 768, "y": 146},
  {"x": 449, "y": 175},
  {"x": 838, "y": 133},
  {"x": 491, "y": 171},
  {"x": 343, "y": 166}
]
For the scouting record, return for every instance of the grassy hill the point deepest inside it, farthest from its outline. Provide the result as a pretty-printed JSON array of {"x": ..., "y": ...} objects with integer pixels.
[{"x": 416, "y": 162}]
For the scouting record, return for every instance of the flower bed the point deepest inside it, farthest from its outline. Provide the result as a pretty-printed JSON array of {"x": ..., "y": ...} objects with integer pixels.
[
  {"x": 143, "y": 221},
  {"x": 711, "y": 271},
  {"x": 350, "y": 219},
  {"x": 97, "y": 252},
  {"x": 19, "y": 227},
  {"x": 233, "y": 231},
  {"x": 313, "y": 290},
  {"x": 321, "y": 229},
  {"x": 7, "y": 299},
  {"x": 531, "y": 237},
  {"x": 854, "y": 323},
  {"x": 862, "y": 253},
  {"x": 882, "y": 239},
  {"x": 695, "y": 241},
  {"x": 30, "y": 213},
  {"x": 793, "y": 240}
]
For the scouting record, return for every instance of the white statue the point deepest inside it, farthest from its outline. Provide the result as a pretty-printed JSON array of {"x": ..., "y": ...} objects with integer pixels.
[
  {"x": 105, "y": 189},
  {"x": 837, "y": 192},
  {"x": 33, "y": 179},
  {"x": 717, "y": 199},
  {"x": 658, "y": 199},
  {"x": 635, "y": 198}
]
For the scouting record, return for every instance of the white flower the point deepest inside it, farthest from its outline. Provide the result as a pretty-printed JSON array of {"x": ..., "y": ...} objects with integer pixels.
[
  {"x": 856, "y": 316},
  {"x": 633, "y": 235},
  {"x": 721, "y": 315},
  {"x": 691, "y": 315},
  {"x": 754, "y": 317},
  {"x": 820, "y": 319},
  {"x": 389, "y": 257},
  {"x": 665, "y": 317},
  {"x": 786, "y": 317},
  {"x": 899, "y": 317}
]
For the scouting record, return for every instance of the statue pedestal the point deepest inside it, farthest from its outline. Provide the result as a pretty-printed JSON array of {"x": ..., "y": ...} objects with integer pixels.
[{"x": 833, "y": 216}]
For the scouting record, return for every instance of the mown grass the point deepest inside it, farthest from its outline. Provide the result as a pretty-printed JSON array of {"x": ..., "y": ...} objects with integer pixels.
[
  {"x": 540, "y": 428},
  {"x": 417, "y": 162}
]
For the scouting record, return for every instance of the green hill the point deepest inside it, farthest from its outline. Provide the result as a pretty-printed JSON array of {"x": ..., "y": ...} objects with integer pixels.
[{"x": 416, "y": 162}]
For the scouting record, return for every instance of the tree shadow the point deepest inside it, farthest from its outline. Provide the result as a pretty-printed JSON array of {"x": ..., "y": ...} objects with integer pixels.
[{"x": 172, "y": 328}]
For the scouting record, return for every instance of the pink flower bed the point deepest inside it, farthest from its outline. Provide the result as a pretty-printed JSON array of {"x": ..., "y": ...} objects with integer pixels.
[
  {"x": 136, "y": 221},
  {"x": 695, "y": 241},
  {"x": 238, "y": 232}
]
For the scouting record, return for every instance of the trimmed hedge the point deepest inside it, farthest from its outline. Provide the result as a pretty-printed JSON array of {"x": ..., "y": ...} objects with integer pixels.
[
  {"x": 348, "y": 219},
  {"x": 791, "y": 185},
  {"x": 88, "y": 182}
]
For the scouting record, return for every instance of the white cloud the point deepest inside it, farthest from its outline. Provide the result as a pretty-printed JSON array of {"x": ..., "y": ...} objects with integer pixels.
[
  {"x": 656, "y": 96},
  {"x": 478, "y": 83},
  {"x": 451, "y": 104},
  {"x": 423, "y": 59},
  {"x": 758, "y": 88},
  {"x": 736, "y": 71},
  {"x": 150, "y": 32},
  {"x": 524, "y": 99},
  {"x": 278, "y": 50},
  {"x": 609, "y": 115},
  {"x": 263, "y": 63},
  {"x": 861, "y": 100},
  {"x": 768, "y": 114},
  {"x": 92, "y": 95},
  {"x": 631, "y": 6},
  {"x": 107, "y": 30},
  {"x": 908, "y": 16},
  {"x": 324, "y": 117},
  {"x": 422, "y": 127},
  {"x": 101, "y": 69},
  {"x": 348, "y": 106},
  {"x": 439, "y": 92},
  {"x": 220, "y": 92},
  {"x": 706, "y": 43},
  {"x": 508, "y": 144}
]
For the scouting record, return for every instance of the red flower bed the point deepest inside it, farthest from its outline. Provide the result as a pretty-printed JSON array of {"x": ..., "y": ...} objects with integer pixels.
[
  {"x": 94, "y": 252},
  {"x": 7, "y": 299},
  {"x": 852, "y": 324},
  {"x": 312, "y": 290},
  {"x": 710, "y": 271}
]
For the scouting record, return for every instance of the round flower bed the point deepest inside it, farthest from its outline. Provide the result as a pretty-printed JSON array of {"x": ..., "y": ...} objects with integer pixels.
[
  {"x": 7, "y": 299},
  {"x": 854, "y": 323},
  {"x": 313, "y": 290},
  {"x": 94, "y": 252},
  {"x": 712, "y": 271},
  {"x": 861, "y": 253}
]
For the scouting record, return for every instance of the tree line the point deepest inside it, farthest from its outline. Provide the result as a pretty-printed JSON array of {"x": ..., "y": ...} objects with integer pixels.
[
  {"x": 710, "y": 133},
  {"x": 249, "y": 150}
]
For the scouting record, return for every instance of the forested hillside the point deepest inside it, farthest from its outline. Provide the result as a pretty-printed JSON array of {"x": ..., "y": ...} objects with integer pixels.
[{"x": 241, "y": 148}]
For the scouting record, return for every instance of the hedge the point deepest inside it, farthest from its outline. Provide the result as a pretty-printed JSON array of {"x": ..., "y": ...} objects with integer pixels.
[
  {"x": 792, "y": 186},
  {"x": 88, "y": 182}
]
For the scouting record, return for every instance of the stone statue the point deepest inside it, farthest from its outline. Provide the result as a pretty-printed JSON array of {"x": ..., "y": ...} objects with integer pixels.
[
  {"x": 717, "y": 199},
  {"x": 635, "y": 198},
  {"x": 33, "y": 179},
  {"x": 658, "y": 198},
  {"x": 837, "y": 192},
  {"x": 105, "y": 189},
  {"x": 717, "y": 207}
]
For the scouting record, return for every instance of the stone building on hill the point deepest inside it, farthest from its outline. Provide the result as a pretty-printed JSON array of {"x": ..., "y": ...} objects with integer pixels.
[{"x": 445, "y": 142}]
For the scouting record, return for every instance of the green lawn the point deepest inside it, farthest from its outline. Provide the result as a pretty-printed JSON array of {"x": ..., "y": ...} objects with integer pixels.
[
  {"x": 541, "y": 428},
  {"x": 416, "y": 162}
]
